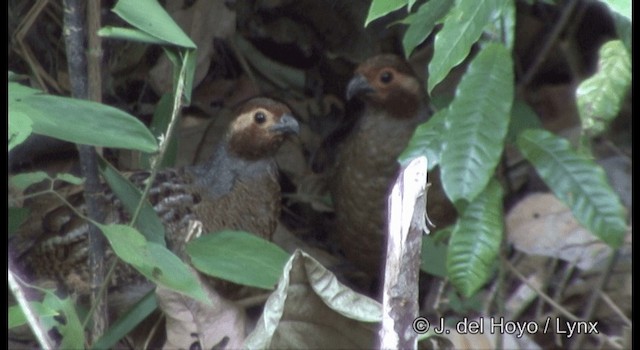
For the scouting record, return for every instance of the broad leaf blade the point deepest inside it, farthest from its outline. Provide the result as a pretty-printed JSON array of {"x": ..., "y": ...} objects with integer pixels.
[
  {"x": 146, "y": 15},
  {"x": 600, "y": 97},
  {"x": 523, "y": 117},
  {"x": 475, "y": 241},
  {"x": 578, "y": 182},
  {"x": 239, "y": 257},
  {"x": 85, "y": 122},
  {"x": 426, "y": 140},
  {"x": 462, "y": 27},
  {"x": 477, "y": 123},
  {"x": 130, "y": 35},
  {"x": 379, "y": 8},
  {"x": 148, "y": 221},
  {"x": 24, "y": 180},
  {"x": 152, "y": 260},
  {"x": 422, "y": 22}
]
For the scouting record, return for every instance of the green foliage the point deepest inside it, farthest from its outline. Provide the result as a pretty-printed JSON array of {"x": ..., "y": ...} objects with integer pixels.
[
  {"x": 466, "y": 137},
  {"x": 379, "y": 8},
  {"x": 148, "y": 221},
  {"x": 76, "y": 120},
  {"x": 578, "y": 182},
  {"x": 477, "y": 123},
  {"x": 475, "y": 241},
  {"x": 239, "y": 257},
  {"x": 153, "y": 260},
  {"x": 600, "y": 97},
  {"x": 462, "y": 28},
  {"x": 422, "y": 22},
  {"x": 426, "y": 140}
]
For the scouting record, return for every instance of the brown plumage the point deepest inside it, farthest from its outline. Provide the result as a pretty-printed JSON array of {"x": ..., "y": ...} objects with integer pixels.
[
  {"x": 237, "y": 188},
  {"x": 395, "y": 103}
]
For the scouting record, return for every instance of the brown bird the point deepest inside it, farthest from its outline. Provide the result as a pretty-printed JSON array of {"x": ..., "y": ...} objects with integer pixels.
[
  {"x": 237, "y": 188},
  {"x": 366, "y": 163}
]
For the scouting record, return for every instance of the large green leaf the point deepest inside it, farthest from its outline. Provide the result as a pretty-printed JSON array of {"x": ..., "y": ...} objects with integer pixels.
[
  {"x": 477, "y": 123},
  {"x": 462, "y": 27},
  {"x": 150, "y": 17},
  {"x": 148, "y": 221},
  {"x": 475, "y": 241},
  {"x": 66, "y": 322},
  {"x": 426, "y": 140},
  {"x": 81, "y": 121},
  {"x": 130, "y": 34},
  {"x": 577, "y": 181},
  {"x": 17, "y": 317},
  {"x": 600, "y": 97},
  {"x": 422, "y": 22},
  {"x": 153, "y": 260},
  {"x": 379, "y": 8},
  {"x": 239, "y": 257},
  {"x": 433, "y": 257}
]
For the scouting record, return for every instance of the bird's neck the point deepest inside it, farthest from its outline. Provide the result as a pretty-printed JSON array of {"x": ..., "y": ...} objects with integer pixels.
[{"x": 220, "y": 173}]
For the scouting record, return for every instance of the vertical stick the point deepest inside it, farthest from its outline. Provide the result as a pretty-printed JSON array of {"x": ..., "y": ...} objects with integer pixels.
[
  {"x": 407, "y": 221},
  {"x": 75, "y": 37}
]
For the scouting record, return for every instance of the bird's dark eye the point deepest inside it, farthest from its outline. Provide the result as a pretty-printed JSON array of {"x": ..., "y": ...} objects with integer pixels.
[
  {"x": 259, "y": 117},
  {"x": 386, "y": 77}
]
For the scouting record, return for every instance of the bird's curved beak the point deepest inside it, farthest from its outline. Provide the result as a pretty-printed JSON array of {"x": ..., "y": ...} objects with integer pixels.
[
  {"x": 286, "y": 125},
  {"x": 357, "y": 85}
]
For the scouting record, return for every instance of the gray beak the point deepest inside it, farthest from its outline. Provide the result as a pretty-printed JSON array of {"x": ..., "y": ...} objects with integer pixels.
[
  {"x": 357, "y": 85},
  {"x": 286, "y": 125}
]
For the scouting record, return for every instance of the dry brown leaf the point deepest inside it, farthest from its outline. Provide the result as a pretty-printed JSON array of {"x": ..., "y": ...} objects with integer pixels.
[
  {"x": 542, "y": 225},
  {"x": 190, "y": 321}
]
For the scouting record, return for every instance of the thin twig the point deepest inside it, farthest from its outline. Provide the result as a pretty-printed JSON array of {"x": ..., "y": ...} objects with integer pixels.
[
  {"x": 615, "y": 308},
  {"x": 595, "y": 295}
]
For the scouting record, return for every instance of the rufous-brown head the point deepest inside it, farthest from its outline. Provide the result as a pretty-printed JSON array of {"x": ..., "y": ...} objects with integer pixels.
[
  {"x": 387, "y": 82},
  {"x": 259, "y": 128}
]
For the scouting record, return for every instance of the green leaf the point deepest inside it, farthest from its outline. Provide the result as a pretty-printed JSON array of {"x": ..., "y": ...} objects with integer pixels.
[
  {"x": 19, "y": 128},
  {"x": 18, "y": 91},
  {"x": 152, "y": 260},
  {"x": 622, "y": 7},
  {"x": 125, "y": 324},
  {"x": 426, "y": 140},
  {"x": 422, "y": 22},
  {"x": 599, "y": 98},
  {"x": 433, "y": 257},
  {"x": 83, "y": 122},
  {"x": 379, "y": 8},
  {"x": 523, "y": 117},
  {"x": 462, "y": 27},
  {"x": 66, "y": 323},
  {"x": 239, "y": 257},
  {"x": 129, "y": 34},
  {"x": 477, "y": 123},
  {"x": 17, "y": 317},
  {"x": 159, "y": 125},
  {"x": 475, "y": 241},
  {"x": 148, "y": 221},
  {"x": 15, "y": 218},
  {"x": 24, "y": 180},
  {"x": 578, "y": 182},
  {"x": 74, "y": 180},
  {"x": 151, "y": 18}
]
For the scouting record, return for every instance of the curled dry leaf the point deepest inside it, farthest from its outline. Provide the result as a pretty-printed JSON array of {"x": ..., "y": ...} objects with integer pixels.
[{"x": 311, "y": 309}]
